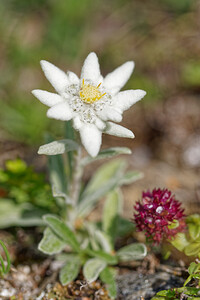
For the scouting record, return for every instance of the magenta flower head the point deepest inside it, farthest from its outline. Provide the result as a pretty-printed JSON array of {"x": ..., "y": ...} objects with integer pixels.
[{"x": 159, "y": 215}]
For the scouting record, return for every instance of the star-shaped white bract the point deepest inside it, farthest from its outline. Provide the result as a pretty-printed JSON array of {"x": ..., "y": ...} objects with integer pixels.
[{"x": 92, "y": 102}]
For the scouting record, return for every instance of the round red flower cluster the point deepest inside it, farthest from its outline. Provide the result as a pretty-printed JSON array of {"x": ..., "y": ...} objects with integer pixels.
[{"x": 159, "y": 215}]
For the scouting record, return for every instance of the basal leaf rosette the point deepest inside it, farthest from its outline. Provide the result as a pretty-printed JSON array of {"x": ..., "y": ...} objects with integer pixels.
[
  {"x": 93, "y": 103},
  {"x": 159, "y": 215}
]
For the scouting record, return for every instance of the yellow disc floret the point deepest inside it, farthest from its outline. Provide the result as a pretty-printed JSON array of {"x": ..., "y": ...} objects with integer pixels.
[{"x": 89, "y": 93}]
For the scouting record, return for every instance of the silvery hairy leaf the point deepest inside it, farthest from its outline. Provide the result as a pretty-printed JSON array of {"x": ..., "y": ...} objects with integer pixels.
[{"x": 58, "y": 147}]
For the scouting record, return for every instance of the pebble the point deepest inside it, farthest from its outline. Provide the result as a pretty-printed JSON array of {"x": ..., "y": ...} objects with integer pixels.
[{"x": 134, "y": 286}]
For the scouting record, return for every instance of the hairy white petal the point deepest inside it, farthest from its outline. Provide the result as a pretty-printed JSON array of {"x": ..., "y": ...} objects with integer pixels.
[
  {"x": 110, "y": 113},
  {"x": 77, "y": 124},
  {"x": 91, "y": 139},
  {"x": 118, "y": 130},
  {"x": 115, "y": 80},
  {"x": 100, "y": 80},
  {"x": 124, "y": 100},
  {"x": 56, "y": 77},
  {"x": 113, "y": 91},
  {"x": 73, "y": 78},
  {"x": 100, "y": 124},
  {"x": 60, "y": 111},
  {"x": 90, "y": 69},
  {"x": 47, "y": 98}
]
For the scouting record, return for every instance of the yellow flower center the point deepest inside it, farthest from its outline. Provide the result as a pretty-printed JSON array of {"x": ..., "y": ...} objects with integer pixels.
[{"x": 89, "y": 93}]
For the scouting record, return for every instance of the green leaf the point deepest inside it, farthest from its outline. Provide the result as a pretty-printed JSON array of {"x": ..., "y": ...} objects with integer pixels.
[
  {"x": 4, "y": 269},
  {"x": 56, "y": 170},
  {"x": 106, "y": 153},
  {"x": 10, "y": 213},
  {"x": 108, "y": 277},
  {"x": 192, "y": 249},
  {"x": 31, "y": 216},
  {"x": 193, "y": 268},
  {"x": 65, "y": 256},
  {"x": 125, "y": 227},
  {"x": 174, "y": 224},
  {"x": 69, "y": 130},
  {"x": 70, "y": 134},
  {"x": 57, "y": 173},
  {"x": 104, "y": 241},
  {"x": 197, "y": 276},
  {"x": 104, "y": 173},
  {"x": 70, "y": 270},
  {"x": 104, "y": 180},
  {"x": 166, "y": 254},
  {"x": 51, "y": 243},
  {"x": 63, "y": 231},
  {"x": 194, "y": 230},
  {"x": 175, "y": 294},
  {"x": 180, "y": 241},
  {"x": 195, "y": 219},
  {"x": 93, "y": 268},
  {"x": 188, "y": 280},
  {"x": 110, "y": 259},
  {"x": 191, "y": 291},
  {"x": 159, "y": 298},
  {"x": 58, "y": 147},
  {"x": 162, "y": 293},
  {"x": 24, "y": 214},
  {"x": 58, "y": 194},
  {"x": 111, "y": 211},
  {"x": 91, "y": 229},
  {"x": 165, "y": 295},
  {"x": 132, "y": 252},
  {"x": 130, "y": 177}
]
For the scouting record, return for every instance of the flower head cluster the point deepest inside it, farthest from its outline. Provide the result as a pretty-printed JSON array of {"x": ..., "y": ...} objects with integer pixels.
[
  {"x": 91, "y": 101},
  {"x": 159, "y": 215}
]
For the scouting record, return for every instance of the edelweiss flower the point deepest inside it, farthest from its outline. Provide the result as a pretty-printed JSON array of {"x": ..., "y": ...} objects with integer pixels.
[{"x": 92, "y": 102}]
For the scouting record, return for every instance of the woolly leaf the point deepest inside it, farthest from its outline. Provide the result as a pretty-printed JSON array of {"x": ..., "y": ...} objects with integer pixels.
[
  {"x": 192, "y": 249},
  {"x": 93, "y": 268},
  {"x": 130, "y": 177},
  {"x": 104, "y": 180},
  {"x": 25, "y": 214},
  {"x": 108, "y": 277},
  {"x": 132, "y": 252},
  {"x": 70, "y": 270},
  {"x": 58, "y": 147},
  {"x": 112, "y": 209},
  {"x": 104, "y": 241},
  {"x": 57, "y": 173},
  {"x": 51, "y": 243},
  {"x": 108, "y": 258},
  {"x": 107, "y": 153},
  {"x": 62, "y": 230},
  {"x": 180, "y": 241}
]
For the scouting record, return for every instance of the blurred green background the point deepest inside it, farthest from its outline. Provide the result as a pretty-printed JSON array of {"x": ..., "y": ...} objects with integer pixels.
[{"x": 161, "y": 36}]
